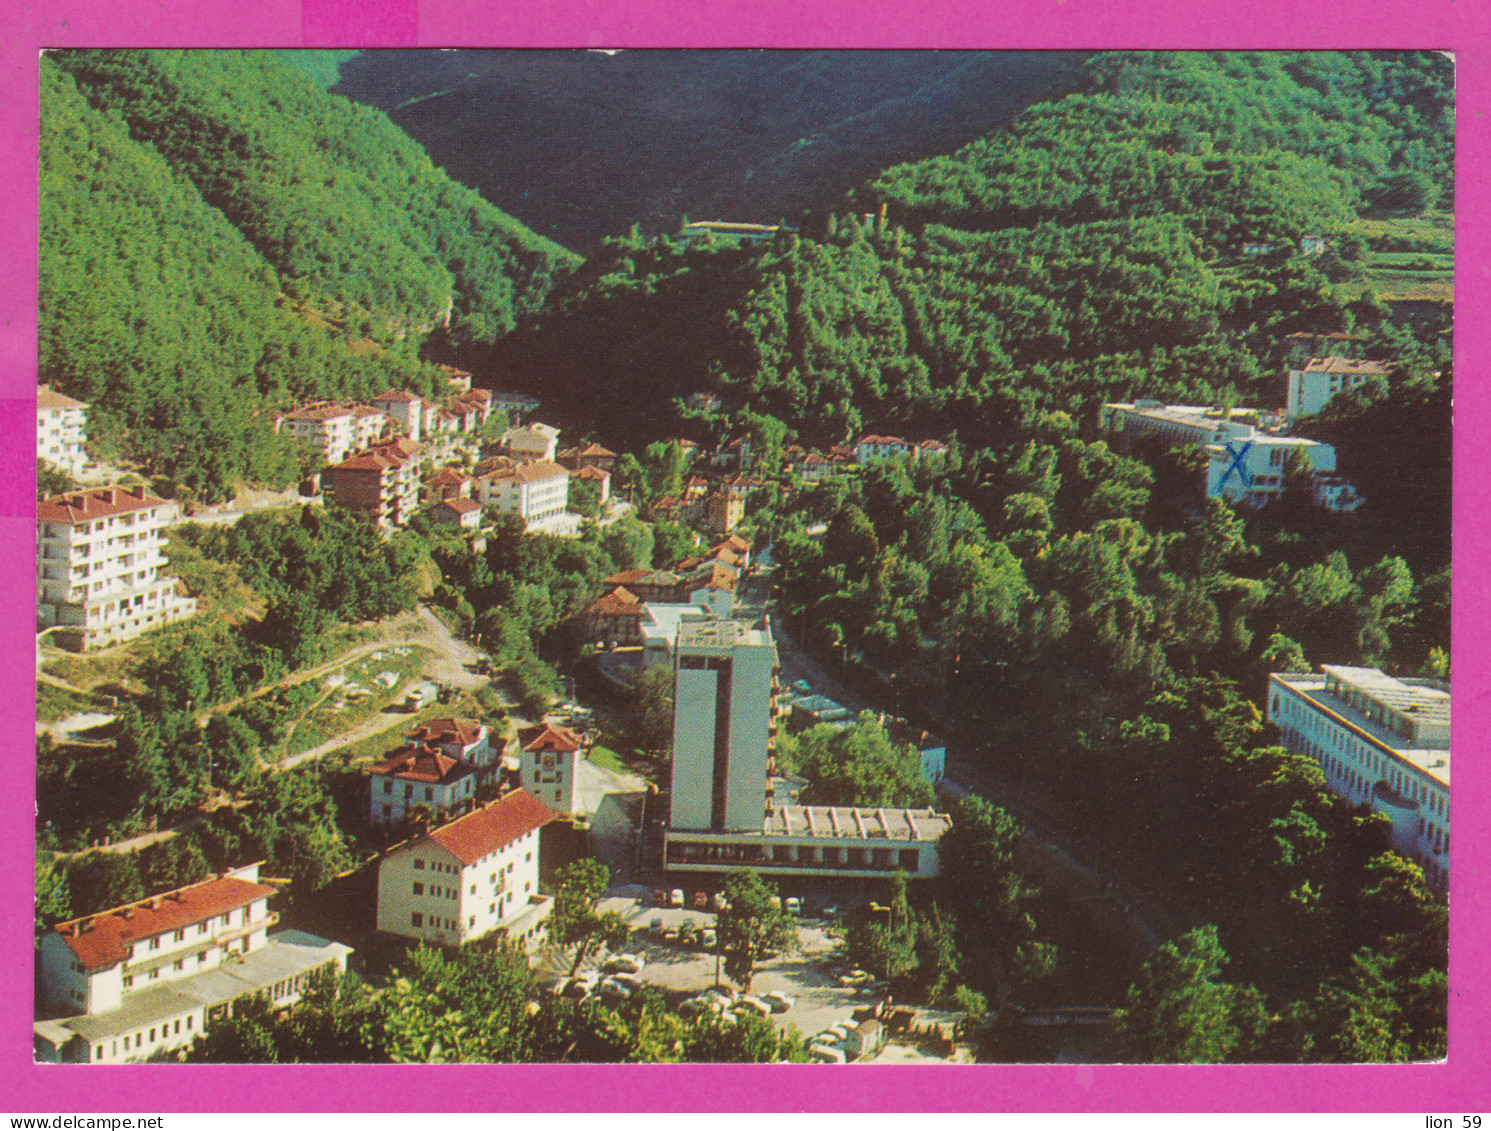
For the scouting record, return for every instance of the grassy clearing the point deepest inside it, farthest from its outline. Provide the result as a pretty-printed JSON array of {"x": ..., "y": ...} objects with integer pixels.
[{"x": 54, "y": 703}]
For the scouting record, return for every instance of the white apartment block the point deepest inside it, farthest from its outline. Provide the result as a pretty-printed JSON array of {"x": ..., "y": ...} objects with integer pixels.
[
  {"x": 1381, "y": 742},
  {"x": 335, "y": 430},
  {"x": 466, "y": 879},
  {"x": 410, "y": 412},
  {"x": 150, "y": 975},
  {"x": 549, "y": 759},
  {"x": 537, "y": 491},
  {"x": 1311, "y": 388},
  {"x": 98, "y": 557},
  {"x": 61, "y": 429}
]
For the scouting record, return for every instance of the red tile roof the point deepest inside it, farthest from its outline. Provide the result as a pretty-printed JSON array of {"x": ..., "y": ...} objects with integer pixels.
[
  {"x": 501, "y": 822},
  {"x": 548, "y": 738},
  {"x": 401, "y": 396},
  {"x": 104, "y": 939},
  {"x": 530, "y": 472},
  {"x": 594, "y": 473},
  {"x": 465, "y": 732},
  {"x": 421, "y": 764},
  {"x": 97, "y": 502},
  {"x": 460, "y": 505},
  {"x": 46, "y": 398},
  {"x": 379, "y": 457},
  {"x": 596, "y": 450},
  {"x": 617, "y": 603}
]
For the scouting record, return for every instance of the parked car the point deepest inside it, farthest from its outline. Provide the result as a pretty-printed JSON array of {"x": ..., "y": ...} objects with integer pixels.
[
  {"x": 656, "y": 926},
  {"x": 779, "y": 1002},
  {"x": 827, "y": 1054},
  {"x": 578, "y": 987},
  {"x": 720, "y": 902},
  {"x": 659, "y": 898},
  {"x": 794, "y": 905},
  {"x": 623, "y": 964},
  {"x": 614, "y": 988},
  {"x": 677, "y": 897},
  {"x": 707, "y": 938},
  {"x": 756, "y": 1005},
  {"x": 701, "y": 901}
]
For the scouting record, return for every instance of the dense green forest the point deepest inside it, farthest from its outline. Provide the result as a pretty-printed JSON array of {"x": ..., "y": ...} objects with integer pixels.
[
  {"x": 1093, "y": 250},
  {"x": 221, "y": 237}
]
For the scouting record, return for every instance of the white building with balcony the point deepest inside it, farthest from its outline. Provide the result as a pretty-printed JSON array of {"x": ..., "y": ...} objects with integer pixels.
[
  {"x": 98, "y": 559},
  {"x": 61, "y": 429},
  {"x": 335, "y": 430},
  {"x": 149, "y": 976},
  {"x": 468, "y": 878},
  {"x": 1380, "y": 741},
  {"x": 536, "y": 491}
]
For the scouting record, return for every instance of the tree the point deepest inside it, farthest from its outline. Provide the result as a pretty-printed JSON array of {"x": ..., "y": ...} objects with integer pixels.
[
  {"x": 857, "y": 765},
  {"x": 575, "y": 921},
  {"x": 751, "y": 1040},
  {"x": 883, "y": 939},
  {"x": 751, "y": 926},
  {"x": 652, "y": 708},
  {"x": 1179, "y": 1011},
  {"x": 102, "y": 880}
]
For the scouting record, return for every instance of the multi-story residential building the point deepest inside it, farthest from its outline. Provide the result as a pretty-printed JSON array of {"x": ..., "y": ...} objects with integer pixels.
[
  {"x": 98, "y": 557},
  {"x": 536, "y": 491},
  {"x": 725, "y": 695},
  {"x": 1311, "y": 388},
  {"x": 601, "y": 479},
  {"x": 335, "y": 430},
  {"x": 1380, "y": 741},
  {"x": 465, "y": 739},
  {"x": 148, "y": 976},
  {"x": 549, "y": 759},
  {"x": 468, "y": 878},
  {"x": 532, "y": 442},
  {"x": 591, "y": 455},
  {"x": 380, "y": 482},
  {"x": 410, "y": 412},
  {"x": 418, "y": 776},
  {"x": 61, "y": 429},
  {"x": 463, "y": 513}
]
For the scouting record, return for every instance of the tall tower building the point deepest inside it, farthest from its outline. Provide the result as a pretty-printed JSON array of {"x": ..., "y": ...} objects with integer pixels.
[{"x": 722, "y": 725}]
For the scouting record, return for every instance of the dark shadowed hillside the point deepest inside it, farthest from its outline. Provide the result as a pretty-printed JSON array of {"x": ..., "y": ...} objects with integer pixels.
[{"x": 580, "y": 145}]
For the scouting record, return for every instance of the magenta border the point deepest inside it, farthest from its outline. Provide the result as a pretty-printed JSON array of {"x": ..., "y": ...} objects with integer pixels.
[{"x": 1463, "y": 26}]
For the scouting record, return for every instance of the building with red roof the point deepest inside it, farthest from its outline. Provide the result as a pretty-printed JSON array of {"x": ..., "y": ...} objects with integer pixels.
[
  {"x": 470, "y": 877},
  {"x": 98, "y": 559},
  {"x": 147, "y": 976},
  {"x": 416, "y": 776},
  {"x": 1313, "y": 385},
  {"x": 549, "y": 758},
  {"x": 380, "y": 482},
  {"x": 536, "y": 490}
]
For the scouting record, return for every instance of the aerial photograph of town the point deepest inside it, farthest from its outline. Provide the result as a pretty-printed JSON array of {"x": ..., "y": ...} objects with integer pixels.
[{"x": 681, "y": 556}]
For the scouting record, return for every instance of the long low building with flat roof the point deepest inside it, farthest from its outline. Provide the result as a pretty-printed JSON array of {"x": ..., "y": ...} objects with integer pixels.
[
  {"x": 820, "y": 840},
  {"x": 1380, "y": 741}
]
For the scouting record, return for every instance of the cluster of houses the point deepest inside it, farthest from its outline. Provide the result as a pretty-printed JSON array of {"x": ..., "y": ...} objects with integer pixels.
[
  {"x": 1249, "y": 450},
  {"x": 147, "y": 977},
  {"x": 635, "y": 604}
]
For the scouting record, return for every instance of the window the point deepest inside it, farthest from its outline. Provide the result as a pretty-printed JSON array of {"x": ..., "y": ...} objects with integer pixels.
[
  {"x": 471, "y": 921},
  {"x": 416, "y": 920},
  {"x": 188, "y": 1024},
  {"x": 180, "y": 963},
  {"x": 155, "y": 943},
  {"x": 419, "y": 865},
  {"x": 129, "y": 981},
  {"x": 419, "y": 888},
  {"x": 473, "y": 889},
  {"x": 201, "y": 958},
  {"x": 179, "y": 935}
]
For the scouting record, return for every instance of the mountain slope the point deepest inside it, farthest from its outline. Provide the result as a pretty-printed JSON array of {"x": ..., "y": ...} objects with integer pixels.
[{"x": 581, "y": 144}]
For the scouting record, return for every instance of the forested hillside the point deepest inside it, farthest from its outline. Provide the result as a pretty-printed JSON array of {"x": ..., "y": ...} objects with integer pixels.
[
  {"x": 216, "y": 231},
  {"x": 581, "y": 145}
]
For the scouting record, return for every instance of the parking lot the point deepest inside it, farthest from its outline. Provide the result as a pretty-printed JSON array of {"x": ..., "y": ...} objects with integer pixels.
[{"x": 808, "y": 973}]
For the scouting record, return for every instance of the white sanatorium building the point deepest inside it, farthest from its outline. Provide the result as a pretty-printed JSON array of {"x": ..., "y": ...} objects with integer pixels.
[
  {"x": 723, "y": 728},
  {"x": 148, "y": 976},
  {"x": 98, "y": 553},
  {"x": 475, "y": 875},
  {"x": 1245, "y": 463},
  {"x": 1382, "y": 742}
]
